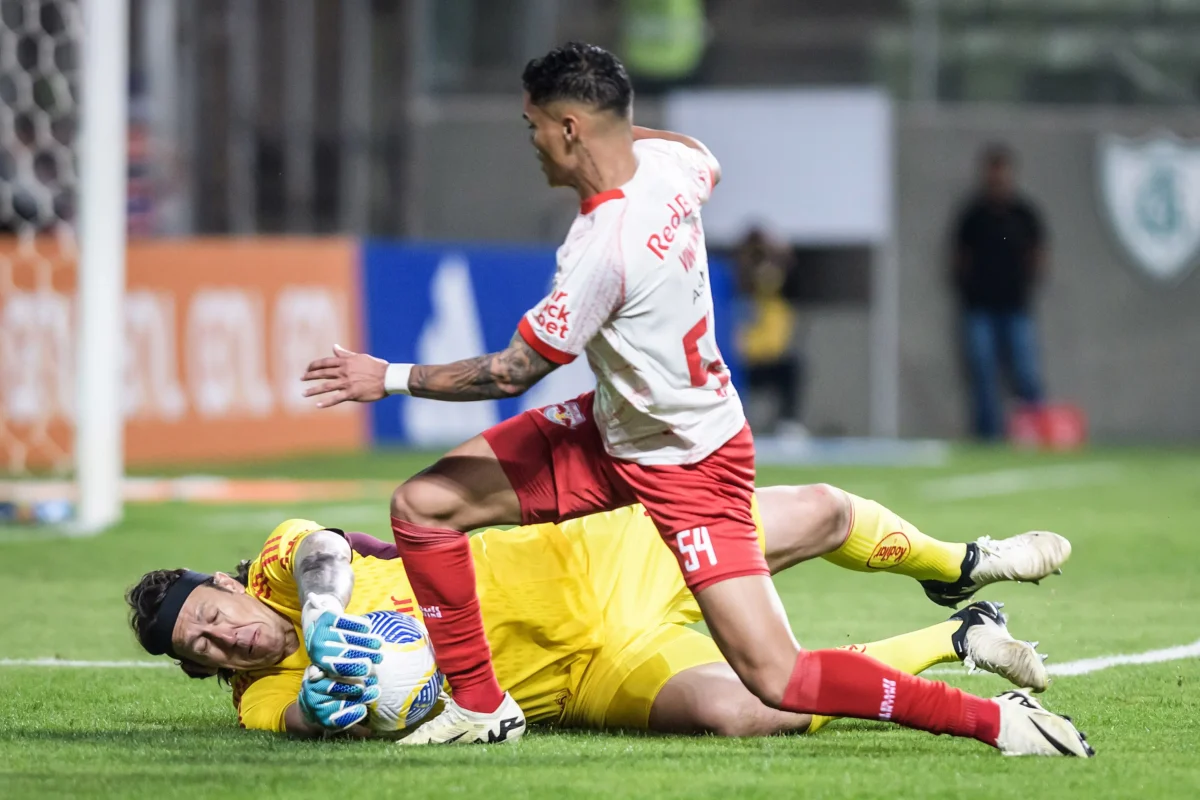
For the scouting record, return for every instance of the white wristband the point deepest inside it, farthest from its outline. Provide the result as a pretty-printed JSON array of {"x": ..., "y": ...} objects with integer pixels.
[{"x": 395, "y": 380}]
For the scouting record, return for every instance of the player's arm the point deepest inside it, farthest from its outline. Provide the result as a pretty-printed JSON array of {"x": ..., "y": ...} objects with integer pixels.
[
  {"x": 324, "y": 578},
  {"x": 714, "y": 166},
  {"x": 340, "y": 645},
  {"x": 508, "y": 373},
  {"x": 364, "y": 378}
]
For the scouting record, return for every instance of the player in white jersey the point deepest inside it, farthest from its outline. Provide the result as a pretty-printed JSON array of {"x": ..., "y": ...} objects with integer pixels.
[{"x": 664, "y": 427}]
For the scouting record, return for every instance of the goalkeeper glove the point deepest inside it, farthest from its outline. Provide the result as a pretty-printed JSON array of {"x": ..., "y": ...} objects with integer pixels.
[
  {"x": 335, "y": 705},
  {"x": 339, "y": 644}
]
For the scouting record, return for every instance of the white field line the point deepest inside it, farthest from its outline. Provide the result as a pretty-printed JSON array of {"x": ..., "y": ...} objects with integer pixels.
[
  {"x": 1015, "y": 481},
  {"x": 67, "y": 663},
  {"x": 1084, "y": 666}
]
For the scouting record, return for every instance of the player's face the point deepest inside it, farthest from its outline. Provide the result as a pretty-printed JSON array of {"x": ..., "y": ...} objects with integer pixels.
[
  {"x": 224, "y": 627},
  {"x": 551, "y": 135}
]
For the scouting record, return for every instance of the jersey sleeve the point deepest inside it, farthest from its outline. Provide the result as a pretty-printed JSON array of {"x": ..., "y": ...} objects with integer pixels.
[
  {"x": 587, "y": 291},
  {"x": 701, "y": 167},
  {"x": 262, "y": 702},
  {"x": 271, "y": 578}
]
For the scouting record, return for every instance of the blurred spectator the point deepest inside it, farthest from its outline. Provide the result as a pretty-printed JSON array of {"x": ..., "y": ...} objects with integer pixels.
[
  {"x": 766, "y": 334},
  {"x": 997, "y": 263}
]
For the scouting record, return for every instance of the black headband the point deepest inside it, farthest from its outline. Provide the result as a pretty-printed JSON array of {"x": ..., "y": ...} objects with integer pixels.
[{"x": 158, "y": 638}]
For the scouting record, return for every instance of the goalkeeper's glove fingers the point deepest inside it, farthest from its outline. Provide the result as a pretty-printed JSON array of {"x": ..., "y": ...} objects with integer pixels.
[
  {"x": 342, "y": 646},
  {"x": 335, "y": 705}
]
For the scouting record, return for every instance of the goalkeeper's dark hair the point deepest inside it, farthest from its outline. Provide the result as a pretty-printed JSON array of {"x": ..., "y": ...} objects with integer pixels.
[
  {"x": 584, "y": 73},
  {"x": 145, "y": 599}
]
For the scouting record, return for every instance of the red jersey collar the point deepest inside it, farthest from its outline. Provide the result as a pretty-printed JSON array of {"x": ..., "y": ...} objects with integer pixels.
[{"x": 596, "y": 200}]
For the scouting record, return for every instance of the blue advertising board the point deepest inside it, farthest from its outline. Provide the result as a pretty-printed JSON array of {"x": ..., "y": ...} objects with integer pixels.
[{"x": 435, "y": 303}]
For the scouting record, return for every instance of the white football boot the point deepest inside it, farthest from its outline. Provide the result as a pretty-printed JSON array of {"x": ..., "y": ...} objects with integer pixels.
[
  {"x": 457, "y": 725},
  {"x": 1027, "y": 729},
  {"x": 1026, "y": 557},
  {"x": 984, "y": 643}
]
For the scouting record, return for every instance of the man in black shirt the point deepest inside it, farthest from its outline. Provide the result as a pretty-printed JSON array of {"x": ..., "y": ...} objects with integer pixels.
[{"x": 997, "y": 263}]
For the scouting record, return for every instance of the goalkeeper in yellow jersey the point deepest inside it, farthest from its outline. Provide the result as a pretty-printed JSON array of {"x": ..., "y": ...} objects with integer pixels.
[{"x": 587, "y": 619}]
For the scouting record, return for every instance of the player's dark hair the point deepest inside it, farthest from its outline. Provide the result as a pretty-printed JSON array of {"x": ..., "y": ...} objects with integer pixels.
[
  {"x": 146, "y": 598},
  {"x": 580, "y": 72}
]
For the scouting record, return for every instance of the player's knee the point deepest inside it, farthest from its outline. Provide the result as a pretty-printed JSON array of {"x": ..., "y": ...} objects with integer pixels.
[
  {"x": 423, "y": 503},
  {"x": 834, "y": 508}
]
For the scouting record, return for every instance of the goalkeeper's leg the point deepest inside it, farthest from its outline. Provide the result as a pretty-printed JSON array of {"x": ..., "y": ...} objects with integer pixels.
[{"x": 805, "y": 522}]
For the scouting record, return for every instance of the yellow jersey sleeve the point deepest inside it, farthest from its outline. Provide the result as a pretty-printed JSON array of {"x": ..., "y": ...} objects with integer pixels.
[
  {"x": 271, "y": 579},
  {"x": 263, "y": 701}
]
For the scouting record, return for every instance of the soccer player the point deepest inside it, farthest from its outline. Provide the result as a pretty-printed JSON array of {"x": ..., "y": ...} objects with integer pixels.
[
  {"x": 664, "y": 428},
  {"x": 588, "y": 619}
]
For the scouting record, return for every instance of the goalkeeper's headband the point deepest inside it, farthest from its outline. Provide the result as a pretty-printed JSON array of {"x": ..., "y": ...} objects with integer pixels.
[{"x": 158, "y": 638}]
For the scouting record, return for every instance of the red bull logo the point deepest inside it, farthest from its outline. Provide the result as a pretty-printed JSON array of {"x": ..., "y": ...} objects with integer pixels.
[
  {"x": 568, "y": 414},
  {"x": 891, "y": 551}
]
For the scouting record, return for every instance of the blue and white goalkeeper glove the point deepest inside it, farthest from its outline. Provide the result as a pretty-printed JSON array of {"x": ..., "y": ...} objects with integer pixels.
[
  {"x": 335, "y": 705},
  {"x": 339, "y": 644}
]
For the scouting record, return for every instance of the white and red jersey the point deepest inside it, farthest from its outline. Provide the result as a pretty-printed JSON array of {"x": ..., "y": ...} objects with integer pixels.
[{"x": 632, "y": 291}]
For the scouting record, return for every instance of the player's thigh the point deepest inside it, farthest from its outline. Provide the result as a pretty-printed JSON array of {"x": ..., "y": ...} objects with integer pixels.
[
  {"x": 624, "y": 678},
  {"x": 746, "y": 619},
  {"x": 802, "y": 522},
  {"x": 465, "y": 489},
  {"x": 710, "y": 698}
]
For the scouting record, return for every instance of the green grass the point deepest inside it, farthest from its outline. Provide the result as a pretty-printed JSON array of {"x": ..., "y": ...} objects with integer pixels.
[{"x": 1131, "y": 586}]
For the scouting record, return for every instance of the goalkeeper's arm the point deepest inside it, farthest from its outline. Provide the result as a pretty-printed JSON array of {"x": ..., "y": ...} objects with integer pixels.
[{"x": 324, "y": 577}]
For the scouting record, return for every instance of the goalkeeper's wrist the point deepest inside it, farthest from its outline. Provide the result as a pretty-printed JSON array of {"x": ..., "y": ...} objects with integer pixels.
[
  {"x": 395, "y": 380},
  {"x": 317, "y": 604}
]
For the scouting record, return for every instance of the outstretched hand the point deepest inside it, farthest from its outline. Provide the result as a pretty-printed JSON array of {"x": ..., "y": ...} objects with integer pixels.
[{"x": 346, "y": 376}]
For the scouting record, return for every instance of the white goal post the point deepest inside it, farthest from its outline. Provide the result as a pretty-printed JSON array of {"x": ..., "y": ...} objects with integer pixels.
[
  {"x": 64, "y": 84},
  {"x": 100, "y": 346}
]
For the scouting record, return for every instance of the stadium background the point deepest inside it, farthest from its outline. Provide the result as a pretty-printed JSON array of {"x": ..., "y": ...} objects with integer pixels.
[{"x": 302, "y": 172}]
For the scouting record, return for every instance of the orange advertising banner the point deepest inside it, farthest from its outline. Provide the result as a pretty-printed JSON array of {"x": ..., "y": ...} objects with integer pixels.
[{"x": 218, "y": 332}]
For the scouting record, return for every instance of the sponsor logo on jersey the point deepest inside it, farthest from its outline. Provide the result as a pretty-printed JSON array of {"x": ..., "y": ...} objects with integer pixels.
[
  {"x": 660, "y": 243},
  {"x": 568, "y": 414},
  {"x": 431, "y": 612},
  {"x": 553, "y": 316},
  {"x": 1150, "y": 191},
  {"x": 891, "y": 551}
]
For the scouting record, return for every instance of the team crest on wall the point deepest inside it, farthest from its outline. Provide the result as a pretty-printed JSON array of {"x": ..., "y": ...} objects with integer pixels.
[{"x": 1150, "y": 190}]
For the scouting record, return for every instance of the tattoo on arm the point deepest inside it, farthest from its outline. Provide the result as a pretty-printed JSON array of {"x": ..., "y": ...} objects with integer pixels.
[
  {"x": 323, "y": 566},
  {"x": 505, "y": 374}
]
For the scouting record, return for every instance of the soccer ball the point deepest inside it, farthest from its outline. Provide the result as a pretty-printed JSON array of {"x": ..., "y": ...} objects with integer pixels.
[{"x": 409, "y": 681}]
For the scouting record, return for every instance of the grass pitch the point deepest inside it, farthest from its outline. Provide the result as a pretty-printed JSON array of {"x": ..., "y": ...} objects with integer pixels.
[{"x": 1131, "y": 586}]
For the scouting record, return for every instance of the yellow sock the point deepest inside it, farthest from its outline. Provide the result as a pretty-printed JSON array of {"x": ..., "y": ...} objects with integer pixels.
[
  {"x": 880, "y": 541},
  {"x": 910, "y": 652}
]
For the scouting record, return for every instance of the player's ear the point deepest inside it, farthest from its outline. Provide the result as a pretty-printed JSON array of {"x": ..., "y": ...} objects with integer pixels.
[
  {"x": 570, "y": 127},
  {"x": 227, "y": 583}
]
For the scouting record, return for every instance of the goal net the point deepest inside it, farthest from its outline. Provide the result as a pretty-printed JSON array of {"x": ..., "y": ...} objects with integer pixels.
[{"x": 61, "y": 251}]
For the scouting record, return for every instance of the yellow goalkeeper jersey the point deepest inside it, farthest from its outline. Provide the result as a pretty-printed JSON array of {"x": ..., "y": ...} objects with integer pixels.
[{"x": 558, "y": 601}]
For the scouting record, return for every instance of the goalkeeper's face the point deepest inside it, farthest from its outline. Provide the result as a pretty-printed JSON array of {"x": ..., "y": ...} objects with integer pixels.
[{"x": 223, "y": 627}]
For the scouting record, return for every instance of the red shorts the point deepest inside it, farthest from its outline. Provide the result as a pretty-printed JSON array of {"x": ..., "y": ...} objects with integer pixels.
[{"x": 556, "y": 462}]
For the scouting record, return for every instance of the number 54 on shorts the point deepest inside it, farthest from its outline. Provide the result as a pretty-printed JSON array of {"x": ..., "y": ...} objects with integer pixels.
[{"x": 691, "y": 544}]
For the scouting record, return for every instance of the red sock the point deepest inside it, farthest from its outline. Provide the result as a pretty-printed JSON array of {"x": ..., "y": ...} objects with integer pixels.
[
  {"x": 840, "y": 683},
  {"x": 442, "y": 574}
]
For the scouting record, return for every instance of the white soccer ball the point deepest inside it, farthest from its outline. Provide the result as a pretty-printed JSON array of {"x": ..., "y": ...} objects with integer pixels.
[{"x": 409, "y": 681}]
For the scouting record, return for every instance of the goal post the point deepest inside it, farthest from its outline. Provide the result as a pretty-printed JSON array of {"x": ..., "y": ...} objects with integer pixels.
[
  {"x": 100, "y": 347},
  {"x": 64, "y": 83}
]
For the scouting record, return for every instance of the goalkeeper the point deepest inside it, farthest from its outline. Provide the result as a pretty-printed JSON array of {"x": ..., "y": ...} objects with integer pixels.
[{"x": 587, "y": 619}]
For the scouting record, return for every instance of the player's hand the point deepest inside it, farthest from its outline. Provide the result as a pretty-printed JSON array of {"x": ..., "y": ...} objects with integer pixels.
[
  {"x": 335, "y": 705},
  {"x": 342, "y": 646},
  {"x": 346, "y": 376}
]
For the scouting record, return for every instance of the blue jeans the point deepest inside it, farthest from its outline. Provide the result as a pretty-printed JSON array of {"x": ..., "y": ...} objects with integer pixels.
[{"x": 996, "y": 339}]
